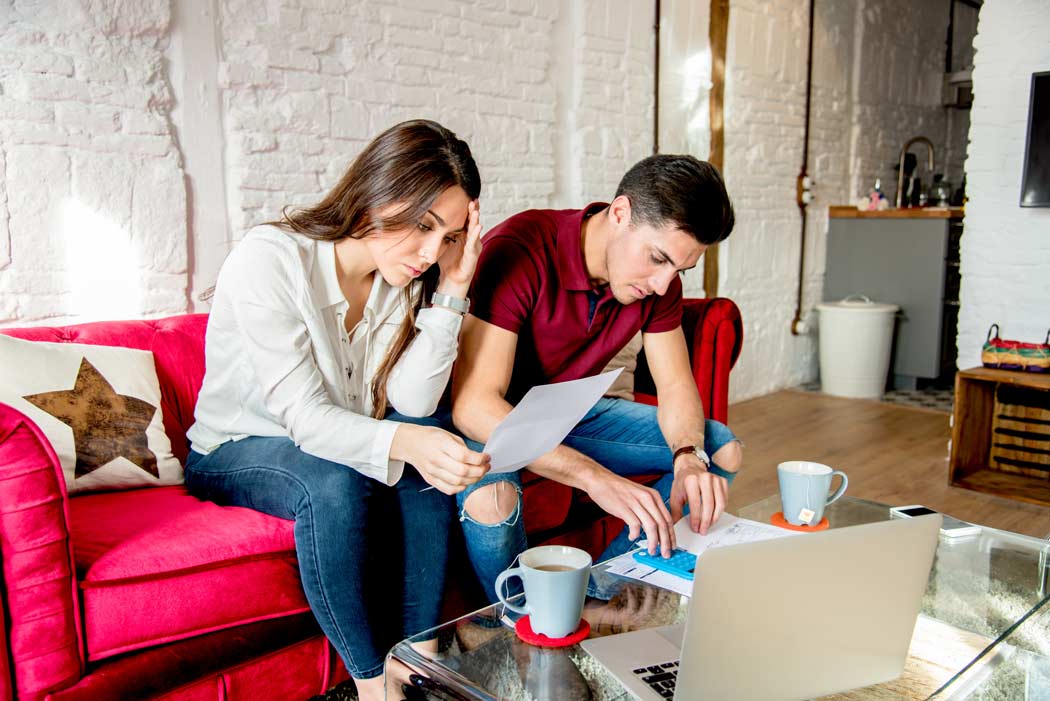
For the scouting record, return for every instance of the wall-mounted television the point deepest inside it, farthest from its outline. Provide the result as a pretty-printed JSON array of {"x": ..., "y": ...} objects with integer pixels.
[{"x": 1035, "y": 183}]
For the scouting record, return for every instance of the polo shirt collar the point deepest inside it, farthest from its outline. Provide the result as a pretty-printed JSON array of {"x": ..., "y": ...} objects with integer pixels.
[{"x": 571, "y": 271}]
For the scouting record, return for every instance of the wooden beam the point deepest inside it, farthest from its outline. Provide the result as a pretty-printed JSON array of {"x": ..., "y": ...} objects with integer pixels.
[{"x": 718, "y": 33}]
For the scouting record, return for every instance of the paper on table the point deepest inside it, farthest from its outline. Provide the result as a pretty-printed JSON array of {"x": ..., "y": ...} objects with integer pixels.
[
  {"x": 729, "y": 530},
  {"x": 542, "y": 419},
  {"x": 627, "y": 566}
]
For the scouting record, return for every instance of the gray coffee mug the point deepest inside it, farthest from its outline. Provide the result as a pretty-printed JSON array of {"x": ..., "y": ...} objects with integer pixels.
[
  {"x": 804, "y": 490},
  {"x": 555, "y": 582}
]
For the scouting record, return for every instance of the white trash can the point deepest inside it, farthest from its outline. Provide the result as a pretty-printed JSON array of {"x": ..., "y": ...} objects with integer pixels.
[{"x": 856, "y": 337}]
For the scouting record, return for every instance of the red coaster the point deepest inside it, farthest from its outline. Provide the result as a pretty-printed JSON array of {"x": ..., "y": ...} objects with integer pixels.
[
  {"x": 524, "y": 630},
  {"x": 779, "y": 520}
]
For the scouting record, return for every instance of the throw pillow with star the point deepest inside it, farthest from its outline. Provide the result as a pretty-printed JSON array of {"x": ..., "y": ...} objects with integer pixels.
[{"x": 98, "y": 405}]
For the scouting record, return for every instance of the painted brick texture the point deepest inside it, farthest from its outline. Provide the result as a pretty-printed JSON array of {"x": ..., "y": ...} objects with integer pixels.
[
  {"x": 1006, "y": 248},
  {"x": 86, "y": 107},
  {"x": 876, "y": 83},
  {"x": 554, "y": 98},
  {"x": 93, "y": 210},
  {"x": 305, "y": 87}
]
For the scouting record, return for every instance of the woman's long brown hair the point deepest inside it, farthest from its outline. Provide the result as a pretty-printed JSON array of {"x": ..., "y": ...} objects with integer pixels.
[{"x": 411, "y": 164}]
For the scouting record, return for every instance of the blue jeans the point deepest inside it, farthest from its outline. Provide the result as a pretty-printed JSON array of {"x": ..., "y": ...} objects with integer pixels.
[
  {"x": 623, "y": 437},
  {"x": 341, "y": 531}
]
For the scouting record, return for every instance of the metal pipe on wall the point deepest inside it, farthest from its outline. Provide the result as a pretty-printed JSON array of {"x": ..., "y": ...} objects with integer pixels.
[
  {"x": 656, "y": 79},
  {"x": 803, "y": 194}
]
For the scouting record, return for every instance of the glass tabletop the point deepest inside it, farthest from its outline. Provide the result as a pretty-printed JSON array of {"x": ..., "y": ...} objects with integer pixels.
[
  {"x": 980, "y": 587},
  {"x": 1017, "y": 666}
]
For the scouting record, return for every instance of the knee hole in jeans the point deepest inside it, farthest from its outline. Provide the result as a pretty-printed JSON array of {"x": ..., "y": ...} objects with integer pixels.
[
  {"x": 729, "y": 456},
  {"x": 492, "y": 504}
]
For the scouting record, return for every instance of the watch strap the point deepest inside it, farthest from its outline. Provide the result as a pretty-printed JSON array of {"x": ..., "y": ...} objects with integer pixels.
[
  {"x": 695, "y": 450},
  {"x": 456, "y": 304}
]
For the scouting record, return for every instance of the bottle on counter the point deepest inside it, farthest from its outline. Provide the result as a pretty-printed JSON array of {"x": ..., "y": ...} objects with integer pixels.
[
  {"x": 874, "y": 200},
  {"x": 916, "y": 196},
  {"x": 959, "y": 196},
  {"x": 940, "y": 191},
  {"x": 876, "y": 196}
]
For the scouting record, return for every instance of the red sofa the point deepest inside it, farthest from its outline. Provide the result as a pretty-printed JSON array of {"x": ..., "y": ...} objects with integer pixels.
[{"x": 151, "y": 593}]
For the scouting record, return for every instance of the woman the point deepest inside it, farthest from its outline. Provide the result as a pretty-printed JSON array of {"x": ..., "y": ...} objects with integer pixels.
[{"x": 321, "y": 323}]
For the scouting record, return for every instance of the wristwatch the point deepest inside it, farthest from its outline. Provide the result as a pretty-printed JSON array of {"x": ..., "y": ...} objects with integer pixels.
[
  {"x": 695, "y": 450},
  {"x": 456, "y": 304}
]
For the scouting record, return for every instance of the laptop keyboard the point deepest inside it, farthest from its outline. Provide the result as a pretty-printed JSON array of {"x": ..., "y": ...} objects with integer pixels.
[{"x": 661, "y": 678}]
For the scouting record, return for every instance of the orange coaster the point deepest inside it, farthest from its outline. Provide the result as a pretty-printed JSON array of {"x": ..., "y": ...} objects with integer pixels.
[
  {"x": 524, "y": 630},
  {"x": 779, "y": 520}
]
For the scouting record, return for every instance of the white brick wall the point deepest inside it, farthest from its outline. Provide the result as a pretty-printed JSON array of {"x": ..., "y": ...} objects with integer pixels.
[
  {"x": 614, "y": 110},
  {"x": 1005, "y": 248},
  {"x": 300, "y": 86},
  {"x": 876, "y": 82},
  {"x": 900, "y": 63},
  {"x": 554, "y": 98},
  {"x": 765, "y": 117},
  {"x": 93, "y": 210}
]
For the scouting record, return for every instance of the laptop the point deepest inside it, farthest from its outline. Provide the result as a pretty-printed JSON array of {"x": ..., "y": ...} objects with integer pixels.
[{"x": 788, "y": 618}]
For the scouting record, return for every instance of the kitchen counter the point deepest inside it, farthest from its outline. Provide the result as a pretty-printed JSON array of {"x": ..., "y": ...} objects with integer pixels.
[{"x": 851, "y": 212}]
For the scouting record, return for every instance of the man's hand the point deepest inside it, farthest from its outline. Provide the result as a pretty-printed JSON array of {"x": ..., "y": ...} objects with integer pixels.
[
  {"x": 706, "y": 493},
  {"x": 632, "y": 608},
  {"x": 640, "y": 507}
]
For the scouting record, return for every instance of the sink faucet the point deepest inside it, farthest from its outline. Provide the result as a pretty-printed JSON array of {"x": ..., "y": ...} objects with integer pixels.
[{"x": 900, "y": 167}]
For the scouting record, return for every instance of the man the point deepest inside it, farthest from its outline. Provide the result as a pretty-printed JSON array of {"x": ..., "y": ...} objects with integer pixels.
[{"x": 556, "y": 296}]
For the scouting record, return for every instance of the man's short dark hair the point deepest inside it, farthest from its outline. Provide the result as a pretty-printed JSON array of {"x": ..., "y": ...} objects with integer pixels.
[{"x": 679, "y": 190}]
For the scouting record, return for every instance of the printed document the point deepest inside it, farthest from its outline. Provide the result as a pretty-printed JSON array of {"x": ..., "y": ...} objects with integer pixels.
[
  {"x": 729, "y": 530},
  {"x": 542, "y": 419}
]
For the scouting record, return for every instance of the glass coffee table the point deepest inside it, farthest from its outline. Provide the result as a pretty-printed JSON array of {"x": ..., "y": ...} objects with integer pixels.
[{"x": 987, "y": 606}]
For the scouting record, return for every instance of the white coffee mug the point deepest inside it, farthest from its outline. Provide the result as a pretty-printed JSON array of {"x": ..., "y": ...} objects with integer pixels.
[
  {"x": 555, "y": 581},
  {"x": 804, "y": 490}
]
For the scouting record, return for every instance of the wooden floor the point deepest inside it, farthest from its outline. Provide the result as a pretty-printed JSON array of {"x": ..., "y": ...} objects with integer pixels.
[{"x": 892, "y": 454}]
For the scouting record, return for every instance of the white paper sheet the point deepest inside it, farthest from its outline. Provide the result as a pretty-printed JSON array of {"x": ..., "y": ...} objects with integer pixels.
[
  {"x": 542, "y": 419},
  {"x": 729, "y": 530}
]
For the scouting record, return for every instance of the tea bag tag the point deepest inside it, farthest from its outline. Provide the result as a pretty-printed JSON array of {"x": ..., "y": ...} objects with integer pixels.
[{"x": 806, "y": 516}]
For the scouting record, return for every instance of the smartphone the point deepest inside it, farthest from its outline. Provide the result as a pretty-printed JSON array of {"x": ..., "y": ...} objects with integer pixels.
[{"x": 950, "y": 527}]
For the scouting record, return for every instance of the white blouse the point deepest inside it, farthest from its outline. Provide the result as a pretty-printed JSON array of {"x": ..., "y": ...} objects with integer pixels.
[{"x": 279, "y": 362}]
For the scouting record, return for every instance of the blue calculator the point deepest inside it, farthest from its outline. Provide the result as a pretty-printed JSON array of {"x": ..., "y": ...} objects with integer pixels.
[{"x": 681, "y": 563}]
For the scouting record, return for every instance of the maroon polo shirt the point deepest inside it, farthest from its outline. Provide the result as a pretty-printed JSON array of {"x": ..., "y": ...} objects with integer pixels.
[{"x": 531, "y": 280}]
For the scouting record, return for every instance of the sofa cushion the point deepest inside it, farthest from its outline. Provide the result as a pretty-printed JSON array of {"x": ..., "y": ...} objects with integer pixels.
[
  {"x": 177, "y": 344},
  {"x": 158, "y": 565},
  {"x": 99, "y": 407}
]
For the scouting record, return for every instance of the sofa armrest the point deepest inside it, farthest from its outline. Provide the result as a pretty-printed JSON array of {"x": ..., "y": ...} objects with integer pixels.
[
  {"x": 714, "y": 334},
  {"x": 43, "y": 628}
]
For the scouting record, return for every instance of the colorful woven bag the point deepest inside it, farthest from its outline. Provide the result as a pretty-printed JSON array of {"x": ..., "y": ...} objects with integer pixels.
[{"x": 1015, "y": 355}]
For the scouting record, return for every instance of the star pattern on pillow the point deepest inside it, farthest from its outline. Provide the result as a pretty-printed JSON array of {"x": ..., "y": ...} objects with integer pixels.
[{"x": 106, "y": 425}]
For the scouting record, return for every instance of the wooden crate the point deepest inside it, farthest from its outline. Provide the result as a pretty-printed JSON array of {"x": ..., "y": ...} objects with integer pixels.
[
  {"x": 1021, "y": 432},
  {"x": 1001, "y": 434}
]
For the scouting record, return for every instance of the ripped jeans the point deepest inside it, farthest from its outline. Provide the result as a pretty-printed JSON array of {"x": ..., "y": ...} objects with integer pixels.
[{"x": 620, "y": 435}]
